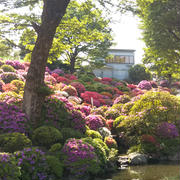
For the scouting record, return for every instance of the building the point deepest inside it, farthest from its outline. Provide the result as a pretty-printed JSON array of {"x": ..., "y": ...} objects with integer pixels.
[{"x": 117, "y": 65}]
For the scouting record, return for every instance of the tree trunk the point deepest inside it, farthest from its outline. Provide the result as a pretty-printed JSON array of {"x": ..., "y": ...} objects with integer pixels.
[
  {"x": 53, "y": 11},
  {"x": 73, "y": 61}
]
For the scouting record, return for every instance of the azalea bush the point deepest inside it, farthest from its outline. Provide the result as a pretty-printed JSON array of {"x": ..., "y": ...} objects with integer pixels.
[
  {"x": 144, "y": 85},
  {"x": 8, "y": 167},
  {"x": 16, "y": 64},
  {"x": 7, "y": 77},
  {"x": 12, "y": 119},
  {"x": 80, "y": 158},
  {"x": 94, "y": 122}
]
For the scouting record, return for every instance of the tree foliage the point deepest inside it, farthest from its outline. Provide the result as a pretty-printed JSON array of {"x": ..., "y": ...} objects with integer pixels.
[
  {"x": 161, "y": 34},
  {"x": 82, "y": 35}
]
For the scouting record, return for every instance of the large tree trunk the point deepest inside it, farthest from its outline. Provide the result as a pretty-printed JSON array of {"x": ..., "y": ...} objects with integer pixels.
[{"x": 53, "y": 11}]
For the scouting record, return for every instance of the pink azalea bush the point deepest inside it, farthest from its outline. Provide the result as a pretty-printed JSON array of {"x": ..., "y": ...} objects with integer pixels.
[{"x": 144, "y": 84}]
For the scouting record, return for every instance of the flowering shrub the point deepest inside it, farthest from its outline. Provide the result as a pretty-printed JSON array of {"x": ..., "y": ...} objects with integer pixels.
[
  {"x": 106, "y": 94},
  {"x": 164, "y": 83},
  {"x": 58, "y": 71},
  {"x": 11, "y": 97},
  {"x": 15, "y": 64},
  {"x": 80, "y": 157},
  {"x": 176, "y": 85},
  {"x": 50, "y": 79},
  {"x": 70, "y": 76},
  {"x": 167, "y": 130},
  {"x": 19, "y": 85},
  {"x": 1, "y": 84},
  {"x": 111, "y": 143},
  {"x": 70, "y": 90},
  {"x": 62, "y": 79},
  {"x": 33, "y": 164},
  {"x": 78, "y": 120},
  {"x": 79, "y": 87},
  {"x": 7, "y": 68},
  {"x": 8, "y": 167},
  {"x": 122, "y": 99},
  {"x": 148, "y": 139},
  {"x": 12, "y": 119},
  {"x": 86, "y": 110},
  {"x": 145, "y": 85},
  {"x": 94, "y": 122},
  {"x": 96, "y": 97},
  {"x": 107, "y": 79},
  {"x": 131, "y": 86},
  {"x": 104, "y": 131},
  {"x": 7, "y": 77},
  {"x": 9, "y": 87},
  {"x": 11, "y": 142},
  {"x": 154, "y": 84}
]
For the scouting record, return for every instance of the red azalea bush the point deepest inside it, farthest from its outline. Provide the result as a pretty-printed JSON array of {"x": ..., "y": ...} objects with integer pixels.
[
  {"x": 107, "y": 79},
  {"x": 96, "y": 97},
  {"x": 70, "y": 76},
  {"x": 148, "y": 139},
  {"x": 79, "y": 87},
  {"x": 131, "y": 86}
]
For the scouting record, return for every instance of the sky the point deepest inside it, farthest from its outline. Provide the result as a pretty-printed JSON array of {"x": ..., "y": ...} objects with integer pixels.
[{"x": 127, "y": 35}]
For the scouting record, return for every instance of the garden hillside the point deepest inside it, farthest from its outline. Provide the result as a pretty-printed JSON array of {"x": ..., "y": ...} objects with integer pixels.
[{"x": 85, "y": 123}]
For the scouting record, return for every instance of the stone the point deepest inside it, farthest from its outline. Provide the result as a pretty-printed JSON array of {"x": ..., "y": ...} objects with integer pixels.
[{"x": 137, "y": 159}]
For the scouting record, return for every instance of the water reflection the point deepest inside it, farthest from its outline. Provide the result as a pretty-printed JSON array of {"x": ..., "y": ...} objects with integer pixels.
[{"x": 150, "y": 172}]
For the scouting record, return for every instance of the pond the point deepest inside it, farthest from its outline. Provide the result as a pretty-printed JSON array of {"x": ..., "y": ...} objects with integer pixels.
[{"x": 161, "y": 171}]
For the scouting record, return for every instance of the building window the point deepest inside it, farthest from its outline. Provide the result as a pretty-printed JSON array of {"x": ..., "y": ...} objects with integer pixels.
[{"x": 121, "y": 60}]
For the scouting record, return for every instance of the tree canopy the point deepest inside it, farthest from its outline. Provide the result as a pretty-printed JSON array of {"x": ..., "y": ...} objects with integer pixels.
[{"x": 82, "y": 35}]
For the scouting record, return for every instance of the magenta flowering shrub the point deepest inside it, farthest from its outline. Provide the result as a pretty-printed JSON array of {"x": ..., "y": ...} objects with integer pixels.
[
  {"x": 79, "y": 87},
  {"x": 94, "y": 122},
  {"x": 167, "y": 130},
  {"x": 86, "y": 110},
  {"x": 144, "y": 84},
  {"x": 78, "y": 121},
  {"x": 16, "y": 64},
  {"x": 12, "y": 119},
  {"x": 80, "y": 157},
  {"x": 50, "y": 79}
]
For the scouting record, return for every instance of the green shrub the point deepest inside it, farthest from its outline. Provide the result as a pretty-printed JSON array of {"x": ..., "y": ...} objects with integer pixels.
[
  {"x": 112, "y": 113},
  {"x": 100, "y": 110},
  {"x": 117, "y": 107},
  {"x": 54, "y": 113},
  {"x": 93, "y": 134},
  {"x": 101, "y": 149},
  {"x": 8, "y": 167},
  {"x": 126, "y": 108},
  {"x": 55, "y": 166},
  {"x": 55, "y": 147},
  {"x": 11, "y": 142},
  {"x": 139, "y": 72},
  {"x": 7, "y": 68},
  {"x": 70, "y": 133},
  {"x": 123, "y": 88},
  {"x": 46, "y": 136},
  {"x": 118, "y": 120}
]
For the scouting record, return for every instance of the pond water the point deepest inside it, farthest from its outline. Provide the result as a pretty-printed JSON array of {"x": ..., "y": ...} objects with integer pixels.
[{"x": 150, "y": 172}]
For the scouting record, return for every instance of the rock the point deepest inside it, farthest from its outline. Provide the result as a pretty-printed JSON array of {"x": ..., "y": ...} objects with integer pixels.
[{"x": 137, "y": 158}]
